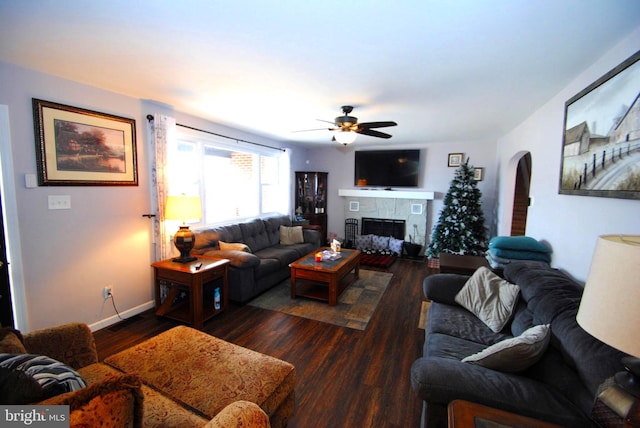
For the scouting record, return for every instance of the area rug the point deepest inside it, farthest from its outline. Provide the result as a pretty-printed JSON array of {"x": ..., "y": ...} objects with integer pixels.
[
  {"x": 355, "y": 307},
  {"x": 424, "y": 311}
]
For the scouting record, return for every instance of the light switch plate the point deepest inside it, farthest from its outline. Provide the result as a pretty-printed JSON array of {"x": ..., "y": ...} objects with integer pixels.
[
  {"x": 59, "y": 202},
  {"x": 30, "y": 181}
]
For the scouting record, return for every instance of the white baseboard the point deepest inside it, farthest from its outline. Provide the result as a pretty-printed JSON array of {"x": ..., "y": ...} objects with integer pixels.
[{"x": 126, "y": 314}]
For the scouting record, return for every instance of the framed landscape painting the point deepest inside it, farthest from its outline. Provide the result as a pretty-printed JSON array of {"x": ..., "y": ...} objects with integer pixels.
[
  {"x": 78, "y": 147},
  {"x": 601, "y": 139}
]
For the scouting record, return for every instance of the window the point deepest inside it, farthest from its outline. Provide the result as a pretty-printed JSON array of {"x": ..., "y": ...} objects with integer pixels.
[{"x": 234, "y": 181}]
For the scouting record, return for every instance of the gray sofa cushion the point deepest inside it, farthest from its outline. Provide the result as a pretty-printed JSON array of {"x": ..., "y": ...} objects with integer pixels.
[
  {"x": 207, "y": 239},
  {"x": 554, "y": 298},
  {"x": 456, "y": 321},
  {"x": 283, "y": 255},
  {"x": 272, "y": 228},
  {"x": 255, "y": 235},
  {"x": 267, "y": 266}
]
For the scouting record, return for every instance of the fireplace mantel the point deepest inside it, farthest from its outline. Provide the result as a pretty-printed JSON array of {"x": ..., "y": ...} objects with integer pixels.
[{"x": 381, "y": 193}]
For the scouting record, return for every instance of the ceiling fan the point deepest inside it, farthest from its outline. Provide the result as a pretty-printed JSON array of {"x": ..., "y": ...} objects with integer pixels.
[{"x": 347, "y": 127}]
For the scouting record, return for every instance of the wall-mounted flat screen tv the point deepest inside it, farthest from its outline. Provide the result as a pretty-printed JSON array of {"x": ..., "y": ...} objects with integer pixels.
[{"x": 387, "y": 168}]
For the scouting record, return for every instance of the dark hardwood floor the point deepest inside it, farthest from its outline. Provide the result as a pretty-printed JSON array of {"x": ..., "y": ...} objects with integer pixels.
[{"x": 345, "y": 377}]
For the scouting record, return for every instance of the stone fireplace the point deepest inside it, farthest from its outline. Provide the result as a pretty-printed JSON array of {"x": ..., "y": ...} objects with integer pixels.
[{"x": 409, "y": 206}]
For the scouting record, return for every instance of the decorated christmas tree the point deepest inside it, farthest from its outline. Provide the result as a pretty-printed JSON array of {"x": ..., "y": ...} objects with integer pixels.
[{"x": 460, "y": 228}]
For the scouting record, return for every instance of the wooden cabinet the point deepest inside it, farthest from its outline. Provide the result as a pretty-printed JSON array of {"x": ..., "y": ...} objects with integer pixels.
[{"x": 311, "y": 198}]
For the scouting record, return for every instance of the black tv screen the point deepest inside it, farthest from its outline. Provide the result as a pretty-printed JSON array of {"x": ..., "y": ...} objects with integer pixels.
[{"x": 387, "y": 168}]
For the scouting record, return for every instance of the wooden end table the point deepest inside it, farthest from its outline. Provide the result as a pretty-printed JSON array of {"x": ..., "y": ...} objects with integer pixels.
[
  {"x": 465, "y": 414},
  {"x": 329, "y": 272},
  {"x": 465, "y": 265},
  {"x": 191, "y": 277}
]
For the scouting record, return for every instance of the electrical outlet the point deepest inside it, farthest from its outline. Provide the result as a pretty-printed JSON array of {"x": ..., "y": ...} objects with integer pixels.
[{"x": 107, "y": 291}]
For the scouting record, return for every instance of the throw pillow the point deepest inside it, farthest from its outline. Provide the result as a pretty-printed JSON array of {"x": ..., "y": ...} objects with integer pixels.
[
  {"x": 53, "y": 376},
  {"x": 116, "y": 401},
  {"x": 515, "y": 354},
  {"x": 379, "y": 242},
  {"x": 395, "y": 245},
  {"x": 11, "y": 341},
  {"x": 489, "y": 297},
  {"x": 234, "y": 246},
  {"x": 291, "y": 235},
  {"x": 17, "y": 387},
  {"x": 363, "y": 242}
]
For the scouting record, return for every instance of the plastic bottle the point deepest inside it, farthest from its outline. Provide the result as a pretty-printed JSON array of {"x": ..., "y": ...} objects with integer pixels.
[{"x": 216, "y": 299}]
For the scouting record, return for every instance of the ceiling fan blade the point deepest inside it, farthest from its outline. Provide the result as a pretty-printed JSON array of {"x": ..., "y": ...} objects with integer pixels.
[
  {"x": 373, "y": 133},
  {"x": 369, "y": 125},
  {"x": 328, "y": 121},
  {"x": 315, "y": 129}
]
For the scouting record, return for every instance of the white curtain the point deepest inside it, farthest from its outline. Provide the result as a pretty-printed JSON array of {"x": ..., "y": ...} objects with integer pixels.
[
  {"x": 163, "y": 130},
  {"x": 285, "y": 182}
]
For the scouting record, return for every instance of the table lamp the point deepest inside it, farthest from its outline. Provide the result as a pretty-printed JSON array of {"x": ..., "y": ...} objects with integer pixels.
[
  {"x": 183, "y": 208},
  {"x": 610, "y": 305}
]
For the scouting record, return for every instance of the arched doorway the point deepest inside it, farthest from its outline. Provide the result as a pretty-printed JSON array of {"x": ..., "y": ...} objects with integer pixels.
[{"x": 521, "y": 199}]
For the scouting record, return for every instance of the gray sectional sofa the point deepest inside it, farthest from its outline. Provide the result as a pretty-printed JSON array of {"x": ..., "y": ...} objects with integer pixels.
[
  {"x": 266, "y": 261},
  {"x": 561, "y": 387}
]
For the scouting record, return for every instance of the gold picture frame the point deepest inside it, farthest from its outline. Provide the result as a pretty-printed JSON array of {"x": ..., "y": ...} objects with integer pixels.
[
  {"x": 478, "y": 174},
  {"x": 455, "y": 159},
  {"x": 79, "y": 147}
]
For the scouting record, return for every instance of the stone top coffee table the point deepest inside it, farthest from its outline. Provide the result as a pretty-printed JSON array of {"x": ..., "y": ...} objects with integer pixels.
[{"x": 324, "y": 280}]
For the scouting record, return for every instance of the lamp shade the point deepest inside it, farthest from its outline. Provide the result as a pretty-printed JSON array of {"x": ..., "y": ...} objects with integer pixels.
[
  {"x": 345, "y": 137},
  {"x": 610, "y": 305},
  {"x": 183, "y": 208}
]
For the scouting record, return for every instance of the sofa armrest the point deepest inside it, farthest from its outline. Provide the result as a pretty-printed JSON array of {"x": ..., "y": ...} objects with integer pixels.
[
  {"x": 240, "y": 414},
  {"x": 443, "y": 287},
  {"x": 72, "y": 344},
  {"x": 239, "y": 259},
  {"x": 116, "y": 401}
]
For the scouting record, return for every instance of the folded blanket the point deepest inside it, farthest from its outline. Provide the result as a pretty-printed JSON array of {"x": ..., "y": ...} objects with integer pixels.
[
  {"x": 519, "y": 243},
  {"x": 520, "y": 255},
  {"x": 493, "y": 257}
]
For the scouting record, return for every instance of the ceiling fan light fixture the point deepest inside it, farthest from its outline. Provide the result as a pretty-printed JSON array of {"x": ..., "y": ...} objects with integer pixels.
[{"x": 345, "y": 137}]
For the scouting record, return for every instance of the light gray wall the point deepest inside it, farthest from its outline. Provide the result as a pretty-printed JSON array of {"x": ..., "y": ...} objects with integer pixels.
[
  {"x": 435, "y": 175},
  {"x": 570, "y": 224},
  {"x": 65, "y": 257},
  {"x": 68, "y": 256}
]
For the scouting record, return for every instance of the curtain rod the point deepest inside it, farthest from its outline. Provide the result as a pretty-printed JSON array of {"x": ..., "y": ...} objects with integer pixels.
[{"x": 237, "y": 140}]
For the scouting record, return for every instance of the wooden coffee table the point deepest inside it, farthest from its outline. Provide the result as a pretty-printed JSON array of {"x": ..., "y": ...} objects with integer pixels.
[{"x": 324, "y": 280}]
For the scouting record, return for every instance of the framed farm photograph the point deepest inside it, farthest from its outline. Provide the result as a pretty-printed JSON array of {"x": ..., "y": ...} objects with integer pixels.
[
  {"x": 601, "y": 138},
  {"x": 78, "y": 147}
]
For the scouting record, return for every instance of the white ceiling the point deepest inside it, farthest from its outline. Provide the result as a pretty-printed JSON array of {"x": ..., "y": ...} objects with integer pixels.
[{"x": 445, "y": 70}]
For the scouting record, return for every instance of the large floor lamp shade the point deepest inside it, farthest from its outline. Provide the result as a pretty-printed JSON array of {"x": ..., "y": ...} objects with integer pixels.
[
  {"x": 183, "y": 208},
  {"x": 610, "y": 305}
]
